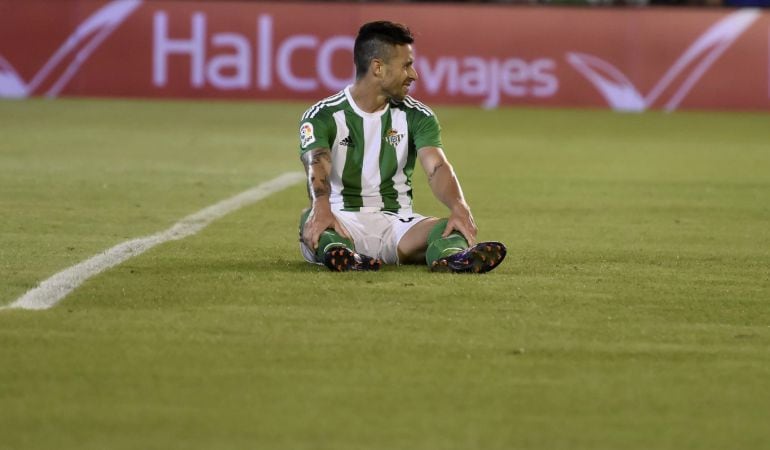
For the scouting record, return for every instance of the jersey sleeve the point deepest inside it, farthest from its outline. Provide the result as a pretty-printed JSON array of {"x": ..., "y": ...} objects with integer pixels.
[
  {"x": 315, "y": 132},
  {"x": 427, "y": 131}
]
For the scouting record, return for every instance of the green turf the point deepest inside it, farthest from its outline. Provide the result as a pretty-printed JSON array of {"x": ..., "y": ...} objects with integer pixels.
[{"x": 632, "y": 312}]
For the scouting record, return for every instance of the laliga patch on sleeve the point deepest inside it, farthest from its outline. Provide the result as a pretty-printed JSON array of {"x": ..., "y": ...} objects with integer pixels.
[{"x": 306, "y": 135}]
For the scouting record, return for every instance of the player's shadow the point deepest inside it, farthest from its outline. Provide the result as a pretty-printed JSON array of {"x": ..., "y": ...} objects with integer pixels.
[{"x": 224, "y": 265}]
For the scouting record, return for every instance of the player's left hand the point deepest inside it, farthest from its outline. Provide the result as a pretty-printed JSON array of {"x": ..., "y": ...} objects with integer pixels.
[{"x": 461, "y": 219}]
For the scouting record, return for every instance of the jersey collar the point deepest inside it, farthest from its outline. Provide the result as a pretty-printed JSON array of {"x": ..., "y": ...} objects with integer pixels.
[{"x": 360, "y": 111}]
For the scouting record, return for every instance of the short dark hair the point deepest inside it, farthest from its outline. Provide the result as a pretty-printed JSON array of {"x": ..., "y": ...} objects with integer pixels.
[{"x": 375, "y": 40}]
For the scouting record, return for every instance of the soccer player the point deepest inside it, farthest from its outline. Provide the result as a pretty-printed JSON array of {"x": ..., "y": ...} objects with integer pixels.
[{"x": 359, "y": 149}]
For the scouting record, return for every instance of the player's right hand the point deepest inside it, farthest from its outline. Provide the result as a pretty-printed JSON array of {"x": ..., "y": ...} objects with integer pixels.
[{"x": 320, "y": 220}]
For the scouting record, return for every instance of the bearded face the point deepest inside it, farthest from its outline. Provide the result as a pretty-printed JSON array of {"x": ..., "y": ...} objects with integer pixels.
[{"x": 398, "y": 72}]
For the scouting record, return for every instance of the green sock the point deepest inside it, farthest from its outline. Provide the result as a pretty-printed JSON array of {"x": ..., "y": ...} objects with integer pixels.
[
  {"x": 440, "y": 247},
  {"x": 328, "y": 239}
]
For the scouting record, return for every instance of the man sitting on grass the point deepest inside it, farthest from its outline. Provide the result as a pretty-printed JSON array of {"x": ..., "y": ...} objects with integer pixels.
[{"x": 359, "y": 149}]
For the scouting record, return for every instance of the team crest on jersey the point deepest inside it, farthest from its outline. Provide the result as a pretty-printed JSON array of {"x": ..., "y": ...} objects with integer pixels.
[
  {"x": 393, "y": 137},
  {"x": 306, "y": 135}
]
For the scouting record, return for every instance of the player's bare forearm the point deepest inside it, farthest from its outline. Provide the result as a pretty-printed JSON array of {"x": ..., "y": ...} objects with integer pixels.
[
  {"x": 441, "y": 177},
  {"x": 318, "y": 164},
  {"x": 445, "y": 186}
]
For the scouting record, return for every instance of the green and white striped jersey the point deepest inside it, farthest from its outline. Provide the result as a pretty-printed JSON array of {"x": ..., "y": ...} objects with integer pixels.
[{"x": 373, "y": 154}]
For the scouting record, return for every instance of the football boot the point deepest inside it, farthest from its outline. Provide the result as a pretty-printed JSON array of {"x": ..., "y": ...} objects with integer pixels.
[
  {"x": 480, "y": 258},
  {"x": 342, "y": 259}
]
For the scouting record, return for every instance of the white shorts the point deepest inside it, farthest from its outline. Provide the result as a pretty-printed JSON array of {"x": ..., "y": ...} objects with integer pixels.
[{"x": 374, "y": 234}]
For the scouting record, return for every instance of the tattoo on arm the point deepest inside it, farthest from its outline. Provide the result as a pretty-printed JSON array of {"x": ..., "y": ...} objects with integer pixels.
[
  {"x": 435, "y": 171},
  {"x": 321, "y": 187},
  {"x": 320, "y": 157},
  {"x": 318, "y": 165},
  {"x": 317, "y": 156}
]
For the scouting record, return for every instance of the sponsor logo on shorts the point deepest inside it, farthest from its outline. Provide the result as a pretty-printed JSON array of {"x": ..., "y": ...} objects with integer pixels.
[{"x": 306, "y": 135}]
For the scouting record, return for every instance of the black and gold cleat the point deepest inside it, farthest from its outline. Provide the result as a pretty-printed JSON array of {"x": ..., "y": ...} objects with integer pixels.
[
  {"x": 480, "y": 258},
  {"x": 341, "y": 259}
]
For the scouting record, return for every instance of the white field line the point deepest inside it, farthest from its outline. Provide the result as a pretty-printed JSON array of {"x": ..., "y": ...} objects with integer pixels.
[{"x": 54, "y": 289}]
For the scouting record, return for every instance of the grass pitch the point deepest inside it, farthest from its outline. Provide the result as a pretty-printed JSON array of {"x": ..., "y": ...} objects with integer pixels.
[{"x": 632, "y": 311}]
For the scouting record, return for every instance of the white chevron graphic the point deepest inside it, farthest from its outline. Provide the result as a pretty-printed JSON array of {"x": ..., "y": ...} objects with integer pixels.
[
  {"x": 622, "y": 95},
  {"x": 76, "y": 50}
]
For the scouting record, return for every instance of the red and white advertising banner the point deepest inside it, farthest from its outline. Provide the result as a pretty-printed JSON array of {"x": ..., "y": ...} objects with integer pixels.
[{"x": 488, "y": 55}]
